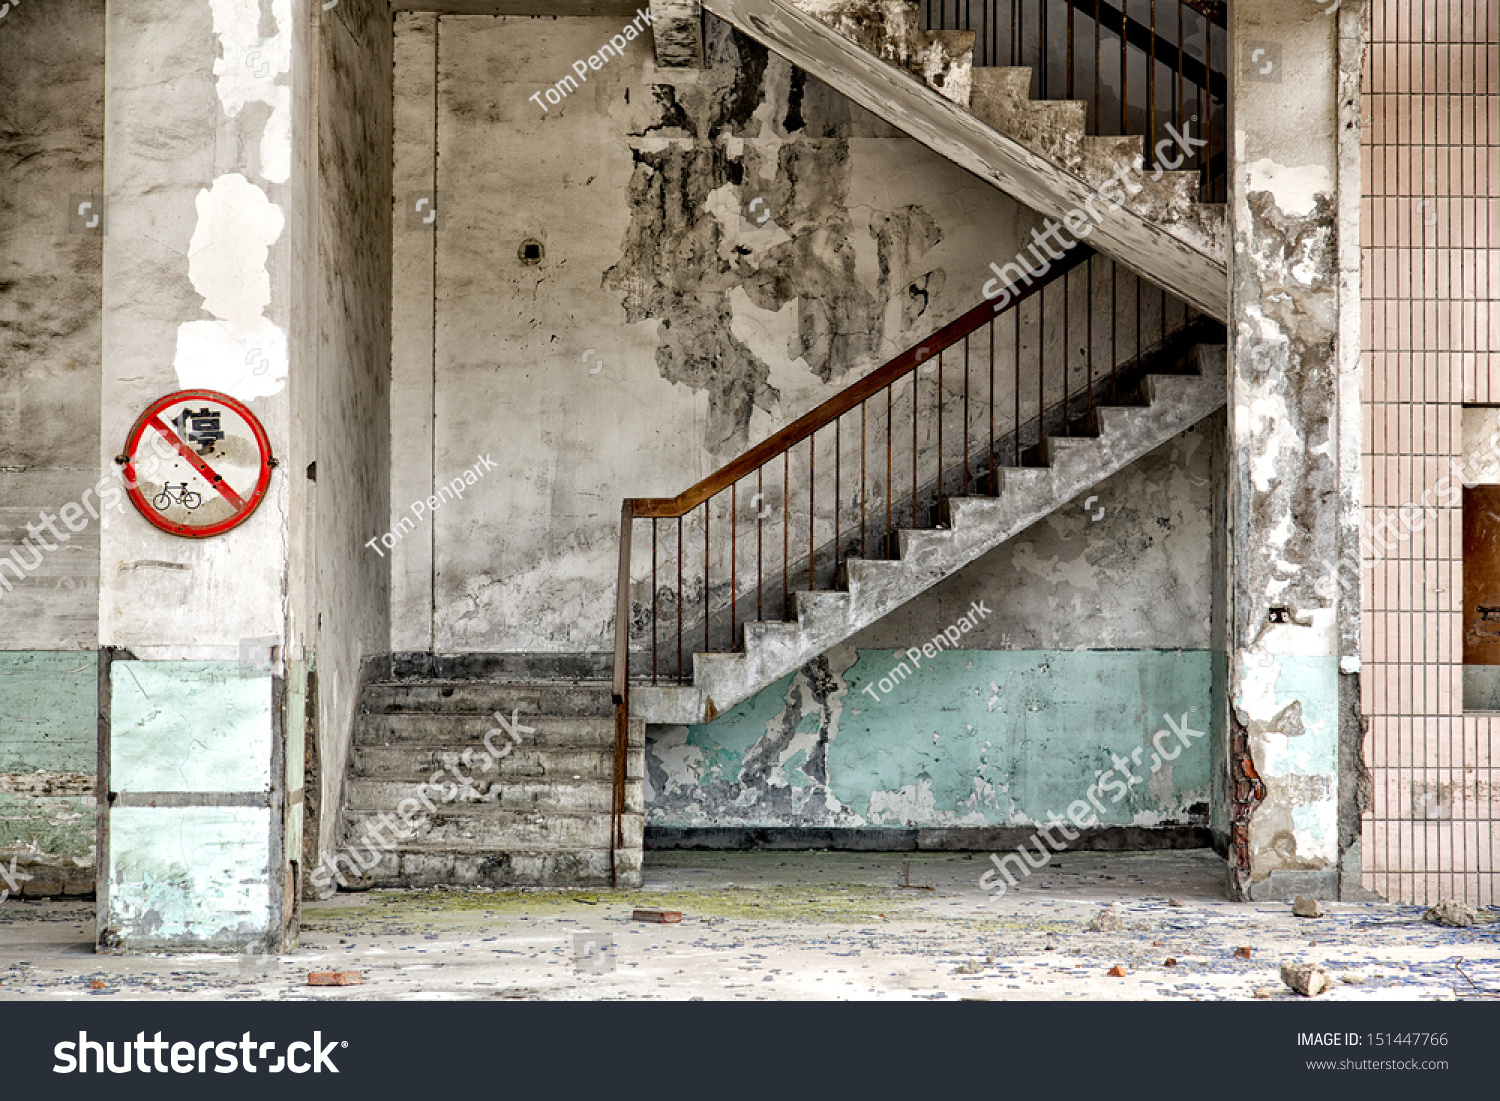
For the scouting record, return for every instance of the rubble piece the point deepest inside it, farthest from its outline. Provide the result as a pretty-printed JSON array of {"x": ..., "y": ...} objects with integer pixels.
[
  {"x": 1171, "y": 961},
  {"x": 1117, "y": 972},
  {"x": 1266, "y": 991},
  {"x": 1176, "y": 903},
  {"x": 96, "y": 984},
  {"x": 1106, "y": 920},
  {"x": 1452, "y": 913},
  {"x": 1305, "y": 907},
  {"x": 660, "y": 917},
  {"x": 1243, "y": 952},
  {"x": 335, "y": 978},
  {"x": 1307, "y": 979}
]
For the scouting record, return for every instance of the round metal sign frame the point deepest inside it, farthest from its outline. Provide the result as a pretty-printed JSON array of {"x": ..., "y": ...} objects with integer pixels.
[{"x": 243, "y": 506}]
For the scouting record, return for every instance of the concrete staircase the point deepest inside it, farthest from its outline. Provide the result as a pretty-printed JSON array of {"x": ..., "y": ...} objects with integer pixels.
[
  {"x": 537, "y": 816},
  {"x": 924, "y": 83},
  {"x": 1172, "y": 395}
]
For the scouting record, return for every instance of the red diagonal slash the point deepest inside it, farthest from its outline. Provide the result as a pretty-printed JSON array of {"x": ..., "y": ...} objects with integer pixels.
[{"x": 219, "y": 484}]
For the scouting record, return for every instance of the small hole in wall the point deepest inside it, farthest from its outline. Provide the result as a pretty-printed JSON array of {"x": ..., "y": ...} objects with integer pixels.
[{"x": 532, "y": 252}]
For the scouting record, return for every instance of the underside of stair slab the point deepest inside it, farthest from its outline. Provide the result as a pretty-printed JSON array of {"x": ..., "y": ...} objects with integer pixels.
[
  {"x": 979, "y": 524},
  {"x": 1181, "y": 256}
]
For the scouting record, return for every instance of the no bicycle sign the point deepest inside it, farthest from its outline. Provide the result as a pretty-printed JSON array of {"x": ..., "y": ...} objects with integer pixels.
[{"x": 197, "y": 463}]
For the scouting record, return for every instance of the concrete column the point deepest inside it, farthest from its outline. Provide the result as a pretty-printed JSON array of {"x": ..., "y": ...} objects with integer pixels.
[
  {"x": 1292, "y": 492},
  {"x": 206, "y": 108}
]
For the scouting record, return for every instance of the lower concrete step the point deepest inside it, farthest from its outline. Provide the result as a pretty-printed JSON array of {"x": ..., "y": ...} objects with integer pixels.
[
  {"x": 537, "y": 815},
  {"x": 418, "y": 763},
  {"x": 595, "y": 796},
  {"x": 448, "y": 728},
  {"x": 477, "y": 827},
  {"x": 556, "y": 700},
  {"x": 434, "y": 867}
]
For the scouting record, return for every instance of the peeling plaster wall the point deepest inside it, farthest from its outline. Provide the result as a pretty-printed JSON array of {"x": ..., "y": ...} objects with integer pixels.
[
  {"x": 1098, "y": 629},
  {"x": 51, "y": 151},
  {"x": 734, "y": 246},
  {"x": 1287, "y": 474},
  {"x": 205, "y": 283},
  {"x": 351, "y": 437},
  {"x": 977, "y": 738}
]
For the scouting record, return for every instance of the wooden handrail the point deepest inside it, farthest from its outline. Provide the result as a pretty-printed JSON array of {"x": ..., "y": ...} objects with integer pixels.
[{"x": 845, "y": 400}]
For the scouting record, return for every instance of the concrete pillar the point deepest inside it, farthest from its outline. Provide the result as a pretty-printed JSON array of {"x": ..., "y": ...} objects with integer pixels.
[
  {"x": 1293, "y": 478},
  {"x": 203, "y": 287}
]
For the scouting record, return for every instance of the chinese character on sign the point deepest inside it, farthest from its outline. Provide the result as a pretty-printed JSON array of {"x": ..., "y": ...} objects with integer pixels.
[{"x": 200, "y": 428}]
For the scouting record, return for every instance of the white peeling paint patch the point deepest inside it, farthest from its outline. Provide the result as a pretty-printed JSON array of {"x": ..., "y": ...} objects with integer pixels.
[
  {"x": 247, "y": 71},
  {"x": 683, "y": 763},
  {"x": 208, "y": 352},
  {"x": 1295, "y": 188},
  {"x": 910, "y": 804},
  {"x": 190, "y": 875},
  {"x": 758, "y": 232},
  {"x": 242, "y": 353}
]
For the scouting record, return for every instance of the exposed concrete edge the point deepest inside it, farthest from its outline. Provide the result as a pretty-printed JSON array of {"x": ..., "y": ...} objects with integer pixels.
[
  {"x": 1192, "y": 269},
  {"x": 905, "y": 839}
]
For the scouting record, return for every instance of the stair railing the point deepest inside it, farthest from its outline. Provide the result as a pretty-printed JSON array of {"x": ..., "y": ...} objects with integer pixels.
[{"x": 1139, "y": 65}]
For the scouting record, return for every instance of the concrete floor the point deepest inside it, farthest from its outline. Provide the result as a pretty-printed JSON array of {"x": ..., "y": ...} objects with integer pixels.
[{"x": 760, "y": 926}]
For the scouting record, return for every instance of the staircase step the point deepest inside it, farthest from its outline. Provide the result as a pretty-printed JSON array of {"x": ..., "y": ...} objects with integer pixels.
[
  {"x": 597, "y": 796},
  {"x": 418, "y": 762},
  {"x": 1056, "y": 129},
  {"x": 449, "y": 729},
  {"x": 479, "y": 828},
  {"x": 484, "y": 697},
  {"x": 822, "y": 605},
  {"x": 435, "y": 866}
]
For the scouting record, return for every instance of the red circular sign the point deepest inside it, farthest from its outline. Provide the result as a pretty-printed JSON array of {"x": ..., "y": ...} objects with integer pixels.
[{"x": 197, "y": 463}]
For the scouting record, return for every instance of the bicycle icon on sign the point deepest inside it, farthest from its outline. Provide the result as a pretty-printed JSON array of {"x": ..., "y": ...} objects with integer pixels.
[{"x": 184, "y": 497}]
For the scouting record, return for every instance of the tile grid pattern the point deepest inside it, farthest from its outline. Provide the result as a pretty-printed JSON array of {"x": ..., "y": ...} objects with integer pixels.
[{"x": 1431, "y": 243}]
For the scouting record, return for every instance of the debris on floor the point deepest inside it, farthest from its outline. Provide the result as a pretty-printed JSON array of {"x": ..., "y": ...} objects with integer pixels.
[
  {"x": 1106, "y": 921},
  {"x": 1307, "y": 979},
  {"x": 1452, "y": 913},
  {"x": 335, "y": 978},
  {"x": 660, "y": 917},
  {"x": 1305, "y": 907}
]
